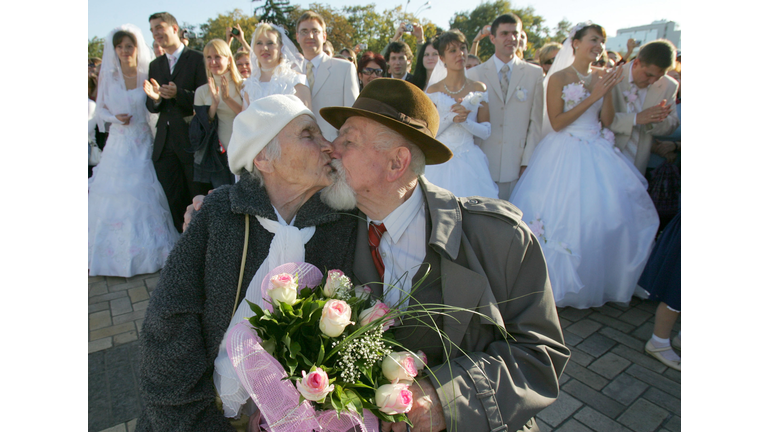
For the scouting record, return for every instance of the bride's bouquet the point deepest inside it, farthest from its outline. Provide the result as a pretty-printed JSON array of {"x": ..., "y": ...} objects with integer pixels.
[{"x": 318, "y": 355}]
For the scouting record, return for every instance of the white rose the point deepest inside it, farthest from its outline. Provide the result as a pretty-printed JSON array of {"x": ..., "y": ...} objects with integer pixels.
[
  {"x": 399, "y": 367},
  {"x": 335, "y": 318},
  {"x": 335, "y": 283},
  {"x": 283, "y": 289},
  {"x": 476, "y": 99}
]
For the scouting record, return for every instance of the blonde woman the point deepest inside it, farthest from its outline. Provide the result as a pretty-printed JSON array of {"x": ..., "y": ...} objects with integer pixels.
[
  {"x": 275, "y": 64},
  {"x": 216, "y": 105}
]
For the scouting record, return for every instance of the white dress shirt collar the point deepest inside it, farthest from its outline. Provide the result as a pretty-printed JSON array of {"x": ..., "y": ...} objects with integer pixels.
[
  {"x": 316, "y": 61},
  {"x": 500, "y": 64},
  {"x": 400, "y": 218}
]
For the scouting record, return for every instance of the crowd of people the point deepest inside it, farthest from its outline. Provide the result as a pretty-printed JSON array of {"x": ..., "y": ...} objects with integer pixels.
[{"x": 547, "y": 178}]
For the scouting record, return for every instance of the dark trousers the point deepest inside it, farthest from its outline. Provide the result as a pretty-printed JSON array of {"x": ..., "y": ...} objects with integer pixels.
[{"x": 175, "y": 173}]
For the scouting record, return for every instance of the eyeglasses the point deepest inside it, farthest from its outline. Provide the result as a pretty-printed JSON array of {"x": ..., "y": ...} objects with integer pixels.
[
  {"x": 90, "y": 65},
  {"x": 372, "y": 71},
  {"x": 549, "y": 62},
  {"x": 305, "y": 32}
]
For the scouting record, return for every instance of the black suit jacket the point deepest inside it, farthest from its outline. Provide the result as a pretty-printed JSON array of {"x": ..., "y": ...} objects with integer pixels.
[{"x": 188, "y": 75}]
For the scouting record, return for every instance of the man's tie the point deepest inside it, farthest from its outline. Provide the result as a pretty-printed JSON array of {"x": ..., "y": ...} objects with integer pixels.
[
  {"x": 374, "y": 238},
  {"x": 504, "y": 80},
  {"x": 171, "y": 62},
  {"x": 310, "y": 75}
]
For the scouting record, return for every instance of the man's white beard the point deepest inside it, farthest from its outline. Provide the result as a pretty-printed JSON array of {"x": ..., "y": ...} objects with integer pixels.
[{"x": 339, "y": 195}]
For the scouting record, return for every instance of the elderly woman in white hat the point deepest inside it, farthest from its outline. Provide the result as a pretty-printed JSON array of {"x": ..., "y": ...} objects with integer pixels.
[{"x": 271, "y": 216}]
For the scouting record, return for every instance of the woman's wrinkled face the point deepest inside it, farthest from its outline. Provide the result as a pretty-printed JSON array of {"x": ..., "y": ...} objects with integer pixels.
[
  {"x": 267, "y": 50},
  {"x": 305, "y": 155},
  {"x": 430, "y": 57}
]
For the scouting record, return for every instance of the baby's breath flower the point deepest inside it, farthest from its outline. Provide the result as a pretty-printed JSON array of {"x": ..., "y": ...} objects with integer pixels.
[{"x": 366, "y": 350}]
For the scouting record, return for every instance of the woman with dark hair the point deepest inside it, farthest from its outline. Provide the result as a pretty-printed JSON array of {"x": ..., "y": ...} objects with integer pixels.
[
  {"x": 586, "y": 202},
  {"x": 371, "y": 66},
  {"x": 130, "y": 230},
  {"x": 464, "y": 115},
  {"x": 426, "y": 59}
]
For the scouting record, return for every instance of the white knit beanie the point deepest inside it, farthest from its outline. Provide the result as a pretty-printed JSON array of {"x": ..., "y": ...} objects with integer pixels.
[{"x": 255, "y": 127}]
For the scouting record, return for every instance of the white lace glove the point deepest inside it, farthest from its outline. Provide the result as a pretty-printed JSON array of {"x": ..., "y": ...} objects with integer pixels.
[
  {"x": 480, "y": 130},
  {"x": 445, "y": 122}
]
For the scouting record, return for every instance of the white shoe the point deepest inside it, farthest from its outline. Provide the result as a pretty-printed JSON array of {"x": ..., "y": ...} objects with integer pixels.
[{"x": 652, "y": 351}]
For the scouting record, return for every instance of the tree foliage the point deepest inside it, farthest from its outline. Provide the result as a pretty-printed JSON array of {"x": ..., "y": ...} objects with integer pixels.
[
  {"x": 276, "y": 12},
  {"x": 217, "y": 27},
  {"x": 96, "y": 47}
]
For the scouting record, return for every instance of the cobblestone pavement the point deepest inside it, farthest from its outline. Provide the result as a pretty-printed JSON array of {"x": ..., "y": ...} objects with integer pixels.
[{"x": 609, "y": 384}]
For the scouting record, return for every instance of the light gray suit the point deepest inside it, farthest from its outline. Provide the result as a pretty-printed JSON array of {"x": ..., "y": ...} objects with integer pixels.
[{"x": 335, "y": 85}]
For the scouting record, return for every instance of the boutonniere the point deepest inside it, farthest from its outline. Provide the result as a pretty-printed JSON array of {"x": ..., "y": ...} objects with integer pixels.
[
  {"x": 573, "y": 93},
  {"x": 476, "y": 99},
  {"x": 630, "y": 96},
  {"x": 521, "y": 94}
]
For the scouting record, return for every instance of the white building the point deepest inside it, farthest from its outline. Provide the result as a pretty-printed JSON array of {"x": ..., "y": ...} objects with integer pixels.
[{"x": 662, "y": 29}]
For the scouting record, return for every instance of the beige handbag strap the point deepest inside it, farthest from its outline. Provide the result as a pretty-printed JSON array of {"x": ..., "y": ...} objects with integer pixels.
[{"x": 242, "y": 264}]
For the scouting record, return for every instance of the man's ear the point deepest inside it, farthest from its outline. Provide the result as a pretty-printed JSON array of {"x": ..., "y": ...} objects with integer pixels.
[
  {"x": 399, "y": 163},
  {"x": 261, "y": 163},
  {"x": 175, "y": 28}
]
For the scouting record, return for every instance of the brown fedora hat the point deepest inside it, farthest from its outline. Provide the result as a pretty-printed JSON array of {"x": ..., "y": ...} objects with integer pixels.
[{"x": 400, "y": 106}]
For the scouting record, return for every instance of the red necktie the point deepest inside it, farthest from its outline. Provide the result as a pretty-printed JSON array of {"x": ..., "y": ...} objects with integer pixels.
[{"x": 374, "y": 238}]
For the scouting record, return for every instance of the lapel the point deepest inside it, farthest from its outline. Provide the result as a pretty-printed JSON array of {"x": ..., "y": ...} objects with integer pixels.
[
  {"x": 179, "y": 64},
  {"x": 517, "y": 75},
  {"x": 621, "y": 87},
  {"x": 491, "y": 77},
  {"x": 164, "y": 69},
  {"x": 321, "y": 74},
  {"x": 655, "y": 93}
]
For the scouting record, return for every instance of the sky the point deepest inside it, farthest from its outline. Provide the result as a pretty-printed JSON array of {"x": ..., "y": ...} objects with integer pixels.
[{"x": 104, "y": 15}]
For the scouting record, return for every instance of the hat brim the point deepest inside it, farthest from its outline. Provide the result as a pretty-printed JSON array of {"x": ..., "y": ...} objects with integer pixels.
[{"x": 434, "y": 151}]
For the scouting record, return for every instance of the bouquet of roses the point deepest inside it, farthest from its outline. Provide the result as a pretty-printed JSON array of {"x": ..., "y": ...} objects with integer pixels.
[{"x": 331, "y": 340}]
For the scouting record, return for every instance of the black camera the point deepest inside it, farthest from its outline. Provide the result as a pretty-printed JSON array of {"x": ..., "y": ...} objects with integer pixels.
[
  {"x": 409, "y": 28},
  {"x": 235, "y": 32}
]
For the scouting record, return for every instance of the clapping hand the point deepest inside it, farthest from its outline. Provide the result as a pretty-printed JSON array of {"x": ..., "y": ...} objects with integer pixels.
[
  {"x": 605, "y": 83},
  {"x": 168, "y": 91},
  {"x": 224, "y": 89},
  {"x": 214, "y": 90},
  {"x": 655, "y": 114},
  {"x": 461, "y": 112},
  {"x": 124, "y": 118},
  {"x": 152, "y": 89}
]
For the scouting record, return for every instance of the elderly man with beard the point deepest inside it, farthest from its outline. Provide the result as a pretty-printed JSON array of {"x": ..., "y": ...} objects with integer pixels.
[
  {"x": 272, "y": 216},
  {"x": 494, "y": 364}
]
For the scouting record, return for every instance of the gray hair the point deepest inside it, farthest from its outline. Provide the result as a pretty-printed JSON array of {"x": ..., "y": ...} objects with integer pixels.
[
  {"x": 387, "y": 138},
  {"x": 271, "y": 152}
]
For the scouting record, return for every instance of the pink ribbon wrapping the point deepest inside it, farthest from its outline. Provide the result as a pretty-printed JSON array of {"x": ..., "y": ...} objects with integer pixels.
[{"x": 262, "y": 375}]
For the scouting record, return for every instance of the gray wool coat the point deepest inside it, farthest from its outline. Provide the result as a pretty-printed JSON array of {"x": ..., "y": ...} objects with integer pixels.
[{"x": 191, "y": 307}]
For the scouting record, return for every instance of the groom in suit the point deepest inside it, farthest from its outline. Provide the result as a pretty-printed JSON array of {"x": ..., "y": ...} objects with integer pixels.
[
  {"x": 644, "y": 102},
  {"x": 332, "y": 82},
  {"x": 516, "y": 102},
  {"x": 172, "y": 81}
]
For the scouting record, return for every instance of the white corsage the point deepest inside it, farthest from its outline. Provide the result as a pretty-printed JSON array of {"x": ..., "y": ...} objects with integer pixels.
[
  {"x": 476, "y": 99},
  {"x": 573, "y": 94},
  {"x": 537, "y": 228},
  {"x": 630, "y": 97},
  {"x": 521, "y": 94}
]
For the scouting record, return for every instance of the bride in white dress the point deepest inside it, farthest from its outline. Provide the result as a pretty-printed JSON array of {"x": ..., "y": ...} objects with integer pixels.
[
  {"x": 130, "y": 230},
  {"x": 586, "y": 203},
  {"x": 463, "y": 108},
  {"x": 276, "y": 67}
]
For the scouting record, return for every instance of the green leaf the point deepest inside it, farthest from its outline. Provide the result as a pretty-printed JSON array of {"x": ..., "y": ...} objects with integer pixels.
[
  {"x": 269, "y": 346},
  {"x": 321, "y": 354},
  {"x": 353, "y": 401},
  {"x": 292, "y": 363}
]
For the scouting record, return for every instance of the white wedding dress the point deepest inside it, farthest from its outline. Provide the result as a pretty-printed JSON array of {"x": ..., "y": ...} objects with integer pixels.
[
  {"x": 466, "y": 173},
  {"x": 589, "y": 208},
  {"x": 130, "y": 230},
  {"x": 282, "y": 81}
]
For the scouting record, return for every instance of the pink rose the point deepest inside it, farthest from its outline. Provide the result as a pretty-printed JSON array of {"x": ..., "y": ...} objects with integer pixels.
[
  {"x": 314, "y": 386},
  {"x": 375, "y": 312},
  {"x": 394, "y": 398},
  {"x": 400, "y": 366},
  {"x": 335, "y": 318},
  {"x": 421, "y": 360},
  {"x": 335, "y": 282},
  {"x": 363, "y": 292},
  {"x": 284, "y": 288}
]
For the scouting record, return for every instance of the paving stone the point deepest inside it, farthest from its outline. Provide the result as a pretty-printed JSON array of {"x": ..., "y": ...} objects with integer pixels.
[
  {"x": 151, "y": 283},
  {"x": 584, "y": 328},
  {"x": 607, "y": 310},
  {"x": 124, "y": 338},
  {"x": 640, "y": 358},
  {"x": 672, "y": 374},
  {"x": 635, "y": 316},
  {"x": 543, "y": 426},
  {"x": 598, "y": 421},
  {"x": 96, "y": 363},
  {"x": 571, "y": 339},
  {"x": 609, "y": 365},
  {"x": 564, "y": 323},
  {"x": 623, "y": 338},
  {"x": 643, "y": 416},
  {"x": 131, "y": 425},
  {"x": 92, "y": 279},
  {"x": 99, "y": 344},
  {"x": 99, "y": 320},
  {"x": 573, "y": 425},
  {"x": 133, "y": 316},
  {"x": 654, "y": 379},
  {"x": 621, "y": 306},
  {"x": 141, "y": 306},
  {"x": 564, "y": 406},
  {"x": 625, "y": 389},
  {"x": 649, "y": 306},
  {"x": 140, "y": 325},
  {"x": 107, "y": 297},
  {"x": 644, "y": 332},
  {"x": 97, "y": 288},
  {"x": 114, "y": 280},
  {"x": 138, "y": 294},
  {"x": 124, "y": 394},
  {"x": 586, "y": 376},
  {"x": 581, "y": 357},
  {"x": 673, "y": 424},
  {"x": 595, "y": 399},
  {"x": 120, "y": 306},
  {"x": 663, "y": 400},
  {"x": 573, "y": 314},
  {"x": 118, "y": 428},
  {"x": 99, "y": 410},
  {"x": 612, "y": 322},
  {"x": 596, "y": 345},
  {"x": 121, "y": 357},
  {"x": 111, "y": 331},
  {"x": 127, "y": 285},
  {"x": 96, "y": 307},
  {"x": 564, "y": 378}
]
